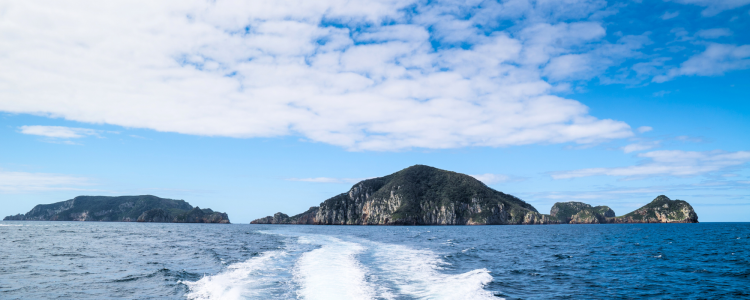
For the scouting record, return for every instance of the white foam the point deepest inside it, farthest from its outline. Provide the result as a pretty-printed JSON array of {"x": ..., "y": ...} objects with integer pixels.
[
  {"x": 253, "y": 278},
  {"x": 417, "y": 273},
  {"x": 342, "y": 268},
  {"x": 332, "y": 271}
]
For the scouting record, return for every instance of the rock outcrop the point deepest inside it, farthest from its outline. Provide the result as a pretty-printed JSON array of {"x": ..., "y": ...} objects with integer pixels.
[
  {"x": 660, "y": 210},
  {"x": 423, "y": 195},
  {"x": 581, "y": 213},
  {"x": 145, "y": 208},
  {"x": 418, "y": 195}
]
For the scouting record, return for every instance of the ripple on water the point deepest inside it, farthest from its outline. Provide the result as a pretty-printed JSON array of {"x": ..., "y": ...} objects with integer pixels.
[{"x": 204, "y": 261}]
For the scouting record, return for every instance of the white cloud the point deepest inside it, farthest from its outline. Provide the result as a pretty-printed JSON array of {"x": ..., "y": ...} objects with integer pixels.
[
  {"x": 644, "y": 129},
  {"x": 716, "y": 60},
  {"x": 685, "y": 138},
  {"x": 660, "y": 93},
  {"x": 713, "y": 33},
  {"x": 20, "y": 182},
  {"x": 639, "y": 147},
  {"x": 670, "y": 15},
  {"x": 490, "y": 178},
  {"x": 668, "y": 163},
  {"x": 327, "y": 180},
  {"x": 714, "y": 7},
  {"x": 58, "y": 131},
  {"x": 272, "y": 68}
]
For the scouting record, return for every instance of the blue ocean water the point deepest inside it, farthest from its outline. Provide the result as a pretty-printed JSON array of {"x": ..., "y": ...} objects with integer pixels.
[{"x": 86, "y": 260}]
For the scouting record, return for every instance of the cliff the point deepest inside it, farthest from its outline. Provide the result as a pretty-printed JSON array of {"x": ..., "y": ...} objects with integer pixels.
[
  {"x": 418, "y": 195},
  {"x": 660, "y": 210},
  {"x": 145, "y": 208},
  {"x": 580, "y": 213}
]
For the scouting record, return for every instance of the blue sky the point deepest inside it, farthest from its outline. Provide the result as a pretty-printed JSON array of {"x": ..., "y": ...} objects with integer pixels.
[{"x": 265, "y": 106}]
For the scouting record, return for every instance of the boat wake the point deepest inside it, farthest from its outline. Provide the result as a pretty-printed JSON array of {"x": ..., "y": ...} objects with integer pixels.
[{"x": 326, "y": 267}]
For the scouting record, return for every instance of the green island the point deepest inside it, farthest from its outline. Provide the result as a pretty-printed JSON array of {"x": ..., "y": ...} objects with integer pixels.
[
  {"x": 417, "y": 195},
  {"x": 423, "y": 195},
  {"x": 146, "y": 208}
]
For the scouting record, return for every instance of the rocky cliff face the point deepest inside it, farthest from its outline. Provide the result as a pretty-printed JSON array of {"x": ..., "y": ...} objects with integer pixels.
[
  {"x": 196, "y": 215},
  {"x": 660, "y": 210},
  {"x": 581, "y": 213},
  {"x": 145, "y": 208},
  {"x": 418, "y": 195}
]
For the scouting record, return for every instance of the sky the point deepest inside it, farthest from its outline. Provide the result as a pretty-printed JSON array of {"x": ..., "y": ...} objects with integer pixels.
[{"x": 256, "y": 107}]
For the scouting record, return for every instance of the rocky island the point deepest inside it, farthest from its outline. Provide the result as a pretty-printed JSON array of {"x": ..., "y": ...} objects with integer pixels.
[
  {"x": 423, "y": 195},
  {"x": 660, "y": 210},
  {"x": 144, "y": 208}
]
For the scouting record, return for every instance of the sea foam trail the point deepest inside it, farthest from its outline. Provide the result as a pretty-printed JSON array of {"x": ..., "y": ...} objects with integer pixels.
[
  {"x": 257, "y": 278},
  {"x": 332, "y": 271},
  {"x": 416, "y": 273}
]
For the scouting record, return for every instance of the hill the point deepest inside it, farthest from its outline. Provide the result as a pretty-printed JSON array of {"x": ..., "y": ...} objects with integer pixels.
[
  {"x": 144, "y": 208},
  {"x": 660, "y": 210},
  {"x": 418, "y": 195}
]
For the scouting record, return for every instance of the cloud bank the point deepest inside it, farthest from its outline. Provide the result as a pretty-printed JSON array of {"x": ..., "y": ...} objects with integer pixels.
[
  {"x": 716, "y": 60},
  {"x": 58, "y": 131},
  {"x": 714, "y": 7},
  {"x": 19, "y": 182},
  {"x": 668, "y": 163},
  {"x": 363, "y": 75}
]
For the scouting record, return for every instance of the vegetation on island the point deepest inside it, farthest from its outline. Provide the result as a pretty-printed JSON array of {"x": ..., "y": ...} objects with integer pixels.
[
  {"x": 660, "y": 210},
  {"x": 423, "y": 195},
  {"x": 418, "y": 195},
  {"x": 145, "y": 208},
  {"x": 579, "y": 212}
]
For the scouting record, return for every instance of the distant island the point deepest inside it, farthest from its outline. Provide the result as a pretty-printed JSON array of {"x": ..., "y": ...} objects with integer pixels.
[
  {"x": 144, "y": 208},
  {"x": 423, "y": 195}
]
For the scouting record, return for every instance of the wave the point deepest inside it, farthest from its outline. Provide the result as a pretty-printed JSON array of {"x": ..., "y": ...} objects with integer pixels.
[
  {"x": 257, "y": 277},
  {"x": 417, "y": 273},
  {"x": 332, "y": 271},
  {"x": 313, "y": 267}
]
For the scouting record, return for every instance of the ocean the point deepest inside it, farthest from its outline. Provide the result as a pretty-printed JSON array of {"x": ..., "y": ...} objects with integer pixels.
[{"x": 90, "y": 260}]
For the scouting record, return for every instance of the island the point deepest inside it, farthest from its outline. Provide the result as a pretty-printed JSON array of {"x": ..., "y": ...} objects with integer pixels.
[
  {"x": 145, "y": 208},
  {"x": 660, "y": 210},
  {"x": 424, "y": 195}
]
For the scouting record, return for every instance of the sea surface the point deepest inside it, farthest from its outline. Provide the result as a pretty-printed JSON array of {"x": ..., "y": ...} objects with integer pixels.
[{"x": 87, "y": 260}]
